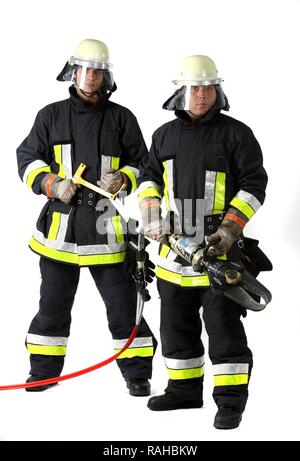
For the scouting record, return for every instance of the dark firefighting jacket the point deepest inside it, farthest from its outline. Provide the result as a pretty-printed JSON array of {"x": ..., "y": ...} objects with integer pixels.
[
  {"x": 65, "y": 134},
  {"x": 212, "y": 164}
]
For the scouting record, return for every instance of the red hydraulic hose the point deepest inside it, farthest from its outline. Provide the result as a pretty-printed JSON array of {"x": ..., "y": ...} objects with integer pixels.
[{"x": 76, "y": 373}]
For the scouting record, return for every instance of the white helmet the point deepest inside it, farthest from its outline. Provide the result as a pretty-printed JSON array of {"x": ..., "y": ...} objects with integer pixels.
[
  {"x": 89, "y": 54},
  {"x": 195, "y": 70}
]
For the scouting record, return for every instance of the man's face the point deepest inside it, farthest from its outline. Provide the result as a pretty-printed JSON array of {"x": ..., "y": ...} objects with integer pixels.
[
  {"x": 202, "y": 98},
  {"x": 92, "y": 81}
]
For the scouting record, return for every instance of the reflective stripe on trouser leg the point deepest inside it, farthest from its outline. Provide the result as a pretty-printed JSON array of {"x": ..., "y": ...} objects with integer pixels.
[
  {"x": 118, "y": 292},
  {"x": 181, "y": 344},
  {"x": 49, "y": 330},
  {"x": 228, "y": 350}
]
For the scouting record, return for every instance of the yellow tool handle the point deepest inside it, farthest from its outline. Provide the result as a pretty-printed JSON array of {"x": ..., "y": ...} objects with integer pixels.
[{"x": 77, "y": 179}]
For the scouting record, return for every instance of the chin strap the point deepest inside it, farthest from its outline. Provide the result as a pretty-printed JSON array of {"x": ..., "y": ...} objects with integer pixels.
[{"x": 89, "y": 95}]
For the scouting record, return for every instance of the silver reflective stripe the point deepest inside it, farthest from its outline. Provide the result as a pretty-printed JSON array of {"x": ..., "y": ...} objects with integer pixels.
[
  {"x": 137, "y": 342},
  {"x": 169, "y": 173},
  {"x": 111, "y": 236},
  {"x": 101, "y": 249},
  {"x": 250, "y": 199},
  {"x": 54, "y": 244},
  {"x": 171, "y": 256},
  {"x": 63, "y": 226},
  {"x": 209, "y": 196},
  {"x": 105, "y": 163},
  {"x": 231, "y": 368},
  {"x": 135, "y": 171},
  {"x": 177, "y": 364},
  {"x": 79, "y": 249},
  {"x": 33, "y": 166},
  {"x": 66, "y": 160},
  {"x": 47, "y": 340},
  {"x": 148, "y": 185},
  {"x": 187, "y": 271},
  {"x": 169, "y": 265}
]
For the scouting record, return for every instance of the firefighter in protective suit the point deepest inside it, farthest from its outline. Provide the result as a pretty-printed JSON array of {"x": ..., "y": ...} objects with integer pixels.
[
  {"x": 208, "y": 167},
  {"x": 75, "y": 229}
]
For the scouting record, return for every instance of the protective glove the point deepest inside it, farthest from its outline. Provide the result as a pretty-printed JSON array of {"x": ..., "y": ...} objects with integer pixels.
[
  {"x": 130, "y": 262},
  {"x": 153, "y": 223},
  {"x": 113, "y": 180},
  {"x": 227, "y": 233},
  {"x": 54, "y": 186}
]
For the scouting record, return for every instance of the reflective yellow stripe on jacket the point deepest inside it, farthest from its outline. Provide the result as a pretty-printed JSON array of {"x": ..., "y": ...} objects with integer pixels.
[
  {"x": 171, "y": 271},
  {"x": 214, "y": 196},
  {"x": 132, "y": 173},
  {"x": 246, "y": 203},
  {"x": 62, "y": 156},
  {"x": 72, "y": 253},
  {"x": 33, "y": 170},
  {"x": 148, "y": 189}
]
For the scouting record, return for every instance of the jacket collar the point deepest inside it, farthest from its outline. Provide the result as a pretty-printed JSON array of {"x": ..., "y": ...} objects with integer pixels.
[
  {"x": 82, "y": 106},
  {"x": 210, "y": 116}
]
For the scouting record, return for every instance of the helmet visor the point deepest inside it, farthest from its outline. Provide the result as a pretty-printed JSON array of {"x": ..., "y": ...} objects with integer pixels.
[
  {"x": 197, "y": 98},
  {"x": 88, "y": 79},
  {"x": 88, "y": 76}
]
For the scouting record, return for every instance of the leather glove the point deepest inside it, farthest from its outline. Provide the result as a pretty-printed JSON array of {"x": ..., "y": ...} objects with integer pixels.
[
  {"x": 227, "y": 233},
  {"x": 112, "y": 181},
  {"x": 130, "y": 262},
  {"x": 54, "y": 186},
  {"x": 153, "y": 223}
]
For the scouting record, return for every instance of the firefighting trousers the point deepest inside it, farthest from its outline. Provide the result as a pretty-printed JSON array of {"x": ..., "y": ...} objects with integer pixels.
[
  {"x": 183, "y": 350},
  {"x": 49, "y": 330}
]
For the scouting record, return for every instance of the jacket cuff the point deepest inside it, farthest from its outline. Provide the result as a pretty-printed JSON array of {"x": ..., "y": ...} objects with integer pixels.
[
  {"x": 132, "y": 174},
  {"x": 149, "y": 189},
  {"x": 34, "y": 175},
  {"x": 246, "y": 203}
]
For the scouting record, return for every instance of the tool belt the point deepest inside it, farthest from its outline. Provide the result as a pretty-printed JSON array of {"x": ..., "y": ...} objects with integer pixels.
[
  {"x": 212, "y": 222},
  {"x": 86, "y": 197}
]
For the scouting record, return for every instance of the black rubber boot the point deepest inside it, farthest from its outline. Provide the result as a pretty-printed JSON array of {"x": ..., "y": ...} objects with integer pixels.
[
  {"x": 41, "y": 388},
  {"x": 169, "y": 401},
  {"x": 138, "y": 387},
  {"x": 227, "y": 418}
]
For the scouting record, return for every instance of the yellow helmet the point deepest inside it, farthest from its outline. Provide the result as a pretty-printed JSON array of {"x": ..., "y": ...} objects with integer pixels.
[
  {"x": 91, "y": 53},
  {"x": 197, "y": 70}
]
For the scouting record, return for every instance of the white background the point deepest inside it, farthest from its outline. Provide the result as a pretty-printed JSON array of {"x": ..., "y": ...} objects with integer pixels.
[{"x": 256, "y": 47}]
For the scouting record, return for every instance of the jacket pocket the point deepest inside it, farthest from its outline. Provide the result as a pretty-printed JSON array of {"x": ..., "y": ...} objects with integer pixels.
[
  {"x": 53, "y": 220},
  {"x": 42, "y": 225},
  {"x": 217, "y": 158}
]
